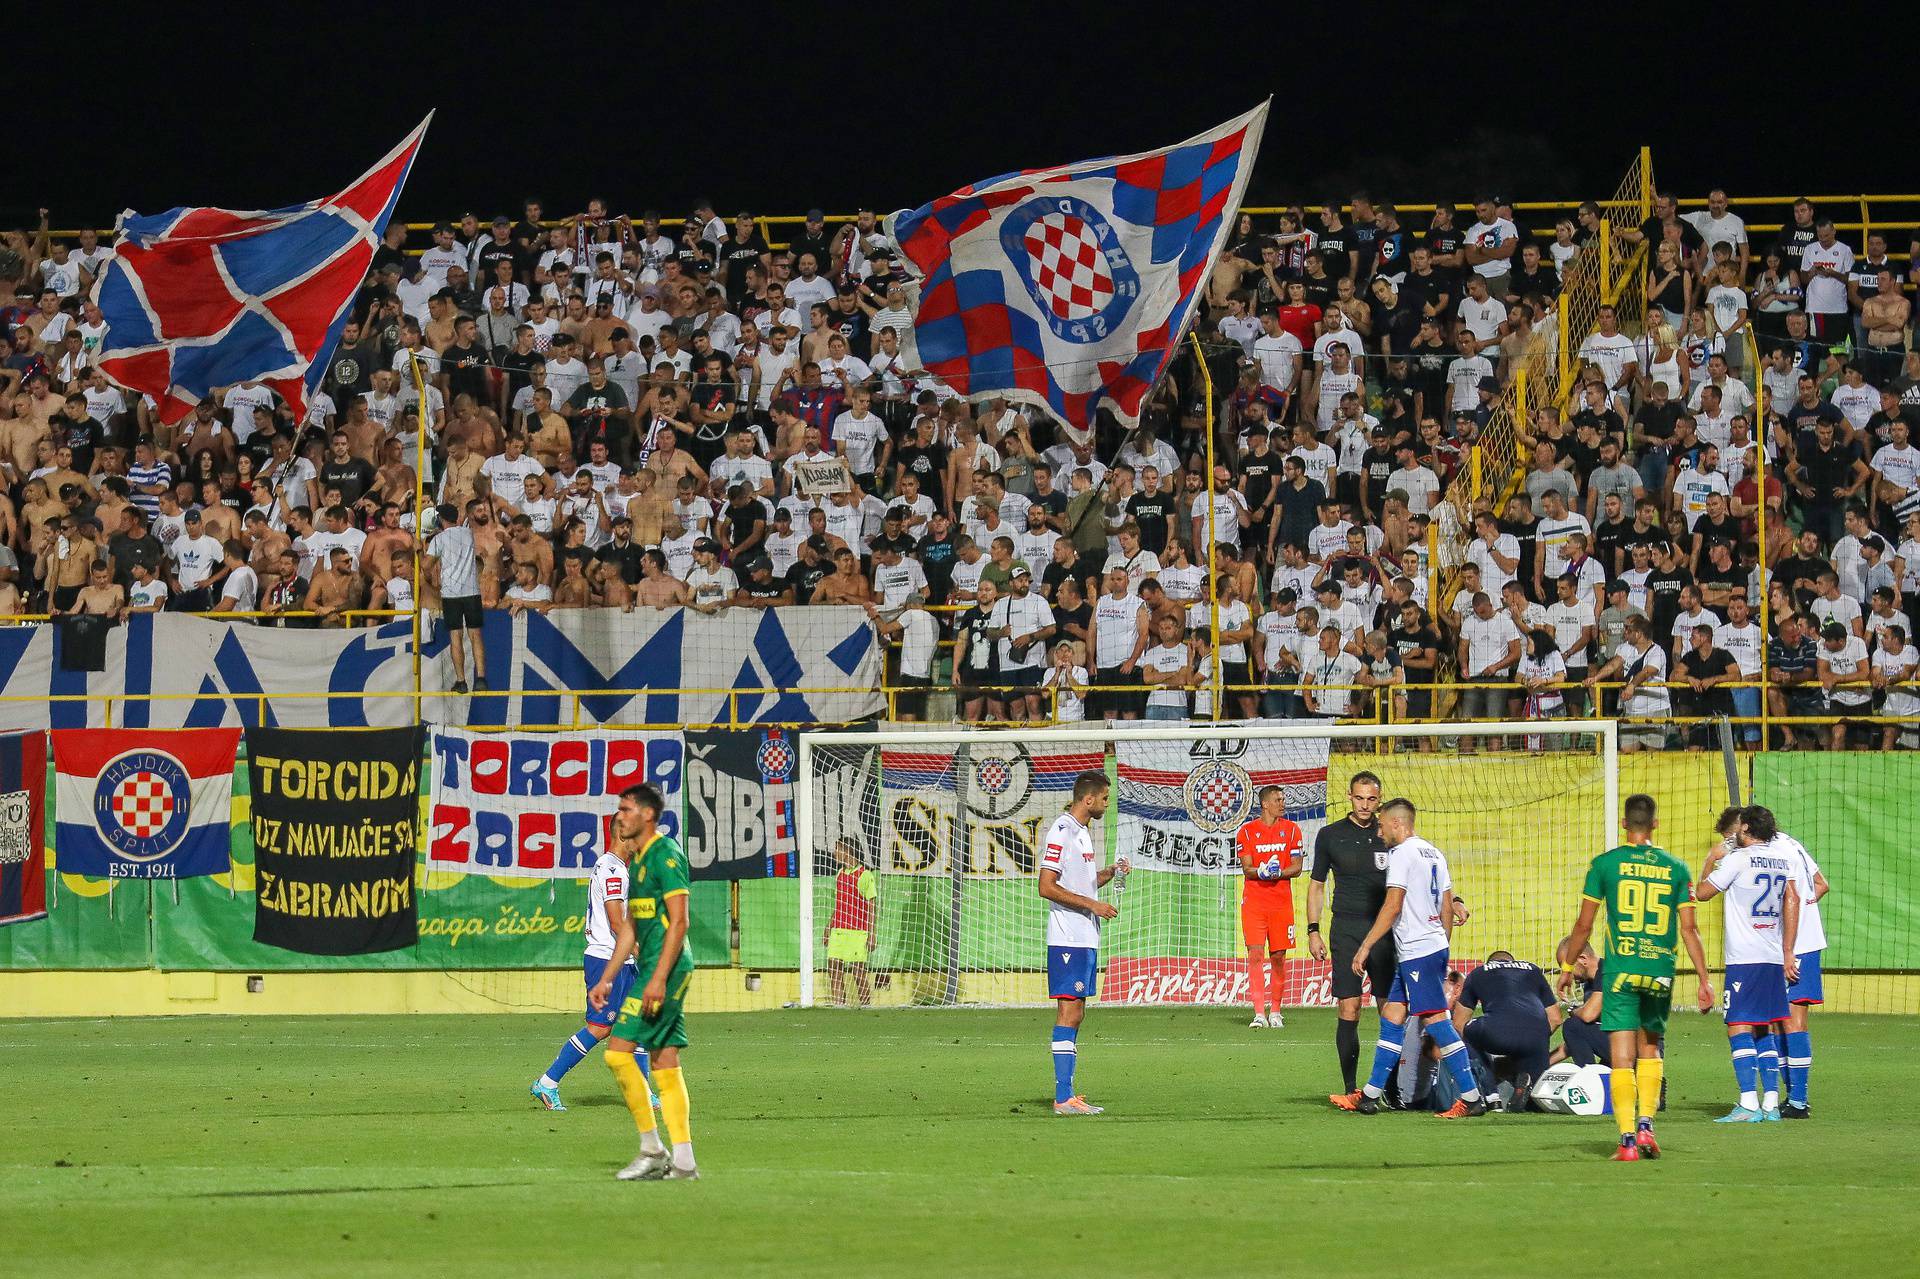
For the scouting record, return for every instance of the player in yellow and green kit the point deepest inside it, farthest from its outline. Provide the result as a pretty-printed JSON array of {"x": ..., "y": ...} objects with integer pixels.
[
  {"x": 655, "y": 1015},
  {"x": 1648, "y": 895}
]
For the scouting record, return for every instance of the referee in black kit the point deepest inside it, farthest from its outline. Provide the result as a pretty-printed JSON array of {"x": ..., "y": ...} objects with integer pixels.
[{"x": 1353, "y": 852}]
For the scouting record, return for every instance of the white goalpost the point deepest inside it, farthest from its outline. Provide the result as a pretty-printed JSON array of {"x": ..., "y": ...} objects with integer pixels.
[{"x": 917, "y": 848}]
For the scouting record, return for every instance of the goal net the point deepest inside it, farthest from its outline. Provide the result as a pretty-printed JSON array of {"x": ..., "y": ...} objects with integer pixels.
[{"x": 919, "y": 848}]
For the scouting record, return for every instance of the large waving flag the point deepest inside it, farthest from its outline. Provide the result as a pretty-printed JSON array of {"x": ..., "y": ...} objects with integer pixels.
[
  {"x": 199, "y": 298},
  {"x": 1070, "y": 287}
]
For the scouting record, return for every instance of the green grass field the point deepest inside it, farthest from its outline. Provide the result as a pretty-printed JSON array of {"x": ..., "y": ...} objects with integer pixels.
[{"x": 903, "y": 1142}]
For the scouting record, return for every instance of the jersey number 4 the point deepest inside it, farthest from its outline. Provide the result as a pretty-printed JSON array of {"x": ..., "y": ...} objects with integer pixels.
[{"x": 1642, "y": 907}]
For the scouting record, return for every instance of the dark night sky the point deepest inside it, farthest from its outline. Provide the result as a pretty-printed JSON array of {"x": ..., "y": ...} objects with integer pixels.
[{"x": 885, "y": 110}]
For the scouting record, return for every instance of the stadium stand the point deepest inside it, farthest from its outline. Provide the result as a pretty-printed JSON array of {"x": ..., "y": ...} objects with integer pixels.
[{"x": 1421, "y": 463}]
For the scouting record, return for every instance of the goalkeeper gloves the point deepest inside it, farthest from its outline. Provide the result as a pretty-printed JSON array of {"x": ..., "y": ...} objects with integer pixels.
[{"x": 1270, "y": 868}]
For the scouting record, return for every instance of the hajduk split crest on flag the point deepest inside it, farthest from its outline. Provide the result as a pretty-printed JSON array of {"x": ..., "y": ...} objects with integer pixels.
[{"x": 1070, "y": 287}]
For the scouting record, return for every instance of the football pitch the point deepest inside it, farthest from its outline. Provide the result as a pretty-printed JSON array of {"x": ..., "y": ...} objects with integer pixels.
[{"x": 904, "y": 1142}]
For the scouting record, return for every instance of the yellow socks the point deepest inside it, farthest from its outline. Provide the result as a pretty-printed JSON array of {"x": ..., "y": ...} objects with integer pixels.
[
  {"x": 675, "y": 1109},
  {"x": 633, "y": 1087},
  {"x": 1648, "y": 1073},
  {"x": 1621, "y": 1084}
]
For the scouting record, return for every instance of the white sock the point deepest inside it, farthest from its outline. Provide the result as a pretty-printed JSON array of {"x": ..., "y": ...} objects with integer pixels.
[
  {"x": 1771, "y": 1101},
  {"x": 683, "y": 1154},
  {"x": 546, "y": 1082},
  {"x": 650, "y": 1143},
  {"x": 1750, "y": 1100},
  {"x": 1371, "y": 1091}
]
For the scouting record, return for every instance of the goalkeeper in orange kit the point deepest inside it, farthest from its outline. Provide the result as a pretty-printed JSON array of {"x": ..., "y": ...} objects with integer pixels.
[{"x": 1270, "y": 849}]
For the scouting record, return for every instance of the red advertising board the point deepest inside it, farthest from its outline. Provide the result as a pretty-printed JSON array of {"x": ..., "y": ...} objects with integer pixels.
[{"x": 1175, "y": 980}]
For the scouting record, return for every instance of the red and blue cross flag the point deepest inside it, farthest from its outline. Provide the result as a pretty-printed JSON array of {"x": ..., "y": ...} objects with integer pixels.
[
  {"x": 1071, "y": 287},
  {"x": 199, "y": 298}
]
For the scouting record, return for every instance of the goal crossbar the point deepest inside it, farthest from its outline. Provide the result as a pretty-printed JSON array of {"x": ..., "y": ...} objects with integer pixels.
[{"x": 1604, "y": 733}]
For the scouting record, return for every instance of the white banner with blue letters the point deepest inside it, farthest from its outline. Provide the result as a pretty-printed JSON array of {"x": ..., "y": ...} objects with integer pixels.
[
  {"x": 652, "y": 666},
  {"x": 176, "y": 671},
  {"x": 669, "y": 666}
]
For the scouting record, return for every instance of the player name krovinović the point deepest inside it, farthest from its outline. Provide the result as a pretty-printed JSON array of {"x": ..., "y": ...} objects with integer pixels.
[
  {"x": 344, "y": 781},
  {"x": 366, "y": 838}
]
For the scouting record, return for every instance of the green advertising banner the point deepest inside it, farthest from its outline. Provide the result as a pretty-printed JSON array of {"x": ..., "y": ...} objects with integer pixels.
[
  {"x": 1838, "y": 805},
  {"x": 90, "y": 923},
  {"x": 1847, "y": 810},
  {"x": 466, "y": 921}
]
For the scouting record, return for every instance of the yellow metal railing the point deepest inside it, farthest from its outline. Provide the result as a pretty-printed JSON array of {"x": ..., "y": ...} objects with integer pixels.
[{"x": 1853, "y": 213}]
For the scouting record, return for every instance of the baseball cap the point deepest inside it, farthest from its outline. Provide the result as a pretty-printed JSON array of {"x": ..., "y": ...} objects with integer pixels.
[
  {"x": 782, "y": 513},
  {"x": 1488, "y": 384},
  {"x": 707, "y": 544},
  {"x": 194, "y": 513},
  {"x": 816, "y": 215},
  {"x": 502, "y": 220},
  {"x": 818, "y": 542}
]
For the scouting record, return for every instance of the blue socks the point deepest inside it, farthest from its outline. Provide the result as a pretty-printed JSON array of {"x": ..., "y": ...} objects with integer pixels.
[
  {"x": 1799, "y": 1065},
  {"x": 575, "y": 1050},
  {"x": 1386, "y": 1055},
  {"x": 1065, "y": 1056},
  {"x": 572, "y": 1053},
  {"x": 1453, "y": 1052},
  {"x": 1769, "y": 1062},
  {"x": 1746, "y": 1067}
]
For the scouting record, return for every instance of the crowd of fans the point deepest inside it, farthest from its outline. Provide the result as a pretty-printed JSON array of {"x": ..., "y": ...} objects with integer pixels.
[{"x": 626, "y": 413}]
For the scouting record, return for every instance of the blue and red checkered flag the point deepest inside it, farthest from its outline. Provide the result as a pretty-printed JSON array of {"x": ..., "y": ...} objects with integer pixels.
[
  {"x": 199, "y": 298},
  {"x": 1070, "y": 287}
]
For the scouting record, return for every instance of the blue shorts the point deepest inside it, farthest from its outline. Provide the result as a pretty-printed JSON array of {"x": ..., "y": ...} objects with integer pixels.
[
  {"x": 1807, "y": 990},
  {"x": 1421, "y": 984},
  {"x": 1073, "y": 972},
  {"x": 593, "y": 966},
  {"x": 1756, "y": 994}
]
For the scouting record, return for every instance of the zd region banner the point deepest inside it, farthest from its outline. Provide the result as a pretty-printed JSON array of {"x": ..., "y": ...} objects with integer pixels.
[{"x": 336, "y": 829}]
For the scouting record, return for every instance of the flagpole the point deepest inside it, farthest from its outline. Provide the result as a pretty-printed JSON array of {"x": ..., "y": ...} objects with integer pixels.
[
  {"x": 419, "y": 518},
  {"x": 1213, "y": 585}
]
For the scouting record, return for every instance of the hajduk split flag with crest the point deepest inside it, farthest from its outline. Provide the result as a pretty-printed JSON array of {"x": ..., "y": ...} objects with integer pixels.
[
  {"x": 1070, "y": 287},
  {"x": 199, "y": 298}
]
